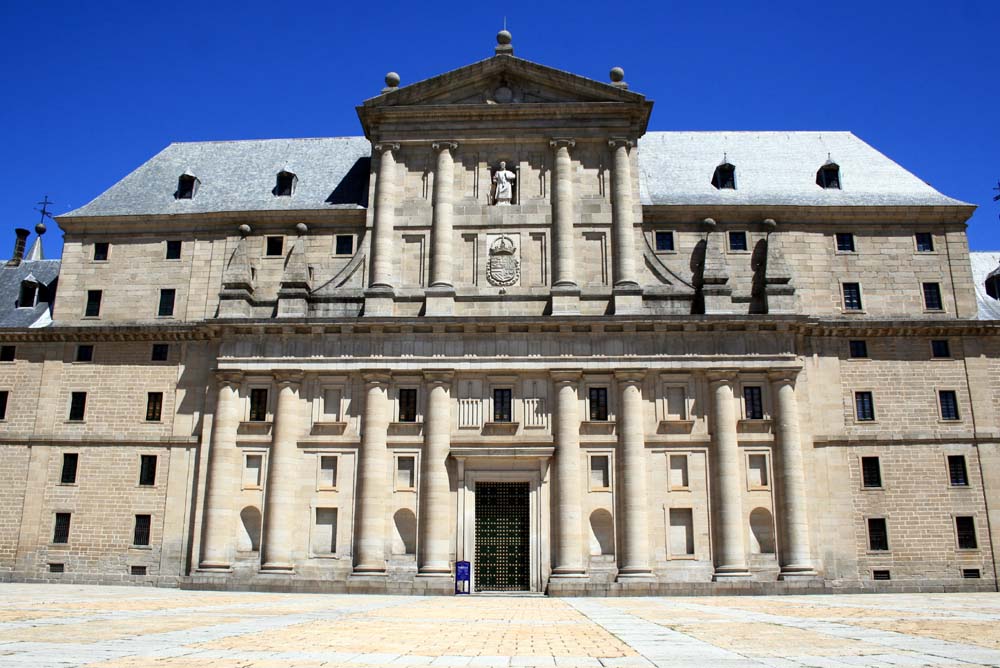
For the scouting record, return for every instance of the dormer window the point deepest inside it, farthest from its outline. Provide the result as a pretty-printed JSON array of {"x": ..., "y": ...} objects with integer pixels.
[
  {"x": 187, "y": 186},
  {"x": 28, "y": 296},
  {"x": 993, "y": 286},
  {"x": 285, "y": 185},
  {"x": 725, "y": 177},
  {"x": 828, "y": 176}
]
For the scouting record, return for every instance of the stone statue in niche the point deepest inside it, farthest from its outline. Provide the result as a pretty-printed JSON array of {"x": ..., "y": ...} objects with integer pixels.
[
  {"x": 503, "y": 268},
  {"x": 503, "y": 185}
]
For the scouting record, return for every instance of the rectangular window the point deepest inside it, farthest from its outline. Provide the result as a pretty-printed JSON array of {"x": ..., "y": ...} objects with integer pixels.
[
  {"x": 753, "y": 402},
  {"x": 174, "y": 249},
  {"x": 949, "y": 404},
  {"x": 408, "y": 404},
  {"x": 4, "y": 395},
  {"x": 101, "y": 251},
  {"x": 166, "y": 307},
  {"x": 137, "y": 570},
  {"x": 57, "y": 568},
  {"x": 845, "y": 242},
  {"x": 258, "y": 404},
  {"x": 331, "y": 405},
  {"x": 93, "y": 309},
  {"x": 925, "y": 242},
  {"x": 958, "y": 474},
  {"x": 757, "y": 471},
  {"x": 141, "y": 534},
  {"x": 600, "y": 474},
  {"x": 344, "y": 244},
  {"x": 678, "y": 472},
  {"x": 681, "y": 532},
  {"x": 70, "y": 462},
  {"x": 77, "y": 406},
  {"x": 324, "y": 539},
  {"x": 852, "y": 296},
  {"x": 940, "y": 348},
  {"x": 160, "y": 352},
  {"x": 664, "y": 241},
  {"x": 406, "y": 472},
  {"x": 85, "y": 352},
  {"x": 328, "y": 472},
  {"x": 971, "y": 573},
  {"x": 7, "y": 353},
  {"x": 275, "y": 246},
  {"x": 871, "y": 472},
  {"x": 881, "y": 575},
  {"x": 965, "y": 528},
  {"x": 502, "y": 405},
  {"x": 738, "y": 241},
  {"x": 253, "y": 465},
  {"x": 878, "y": 534},
  {"x": 60, "y": 533},
  {"x": 147, "y": 470},
  {"x": 932, "y": 297},
  {"x": 864, "y": 407},
  {"x": 859, "y": 349},
  {"x": 154, "y": 406},
  {"x": 598, "y": 404},
  {"x": 676, "y": 402}
]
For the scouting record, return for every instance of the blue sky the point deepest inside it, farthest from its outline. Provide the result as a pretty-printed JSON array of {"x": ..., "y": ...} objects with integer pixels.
[{"x": 92, "y": 90}]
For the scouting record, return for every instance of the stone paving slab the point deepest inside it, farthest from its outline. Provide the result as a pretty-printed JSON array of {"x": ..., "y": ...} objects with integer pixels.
[{"x": 127, "y": 627}]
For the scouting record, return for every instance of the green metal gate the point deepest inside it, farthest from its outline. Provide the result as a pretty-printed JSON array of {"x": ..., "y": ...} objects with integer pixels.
[{"x": 503, "y": 552}]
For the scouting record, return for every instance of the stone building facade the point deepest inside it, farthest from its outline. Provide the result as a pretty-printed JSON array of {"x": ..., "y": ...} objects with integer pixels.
[{"x": 509, "y": 326}]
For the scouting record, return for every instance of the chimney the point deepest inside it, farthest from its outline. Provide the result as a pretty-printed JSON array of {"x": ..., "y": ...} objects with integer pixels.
[{"x": 19, "y": 243}]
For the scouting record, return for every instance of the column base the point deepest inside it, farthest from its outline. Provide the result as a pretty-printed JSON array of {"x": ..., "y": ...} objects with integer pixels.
[
  {"x": 367, "y": 575},
  {"x": 564, "y": 573},
  {"x": 439, "y": 300},
  {"x": 635, "y": 575},
  {"x": 277, "y": 568},
  {"x": 798, "y": 572},
  {"x": 379, "y": 301},
  {"x": 435, "y": 574},
  {"x": 566, "y": 299},
  {"x": 730, "y": 573},
  {"x": 214, "y": 567}
]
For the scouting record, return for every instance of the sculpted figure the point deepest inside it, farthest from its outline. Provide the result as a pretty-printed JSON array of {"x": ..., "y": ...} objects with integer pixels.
[{"x": 503, "y": 181}]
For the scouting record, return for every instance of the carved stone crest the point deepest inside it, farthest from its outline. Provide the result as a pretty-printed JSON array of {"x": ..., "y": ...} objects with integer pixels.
[{"x": 503, "y": 268}]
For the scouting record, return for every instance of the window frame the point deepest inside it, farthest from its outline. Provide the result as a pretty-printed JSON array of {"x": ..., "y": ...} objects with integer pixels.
[
  {"x": 874, "y": 414},
  {"x": 80, "y": 347},
  {"x": 853, "y": 250},
  {"x": 947, "y": 346},
  {"x": 850, "y": 349},
  {"x": 167, "y": 247},
  {"x": 975, "y": 532},
  {"x": 590, "y": 408},
  {"x": 509, "y": 389},
  {"x": 259, "y": 485},
  {"x": 965, "y": 471},
  {"x": 172, "y": 292},
  {"x": 861, "y": 469},
  {"x": 148, "y": 544},
  {"x": 761, "y": 399},
  {"x": 746, "y": 240},
  {"x": 747, "y": 456},
  {"x": 843, "y": 297},
  {"x": 396, "y": 458},
  {"x": 107, "y": 252},
  {"x": 153, "y": 349},
  {"x": 143, "y": 457},
  {"x": 5, "y": 394},
  {"x": 268, "y": 398},
  {"x": 415, "y": 390},
  {"x": 673, "y": 242},
  {"x": 76, "y": 470},
  {"x": 5, "y": 357},
  {"x": 69, "y": 407},
  {"x": 940, "y": 402},
  {"x": 688, "y": 556},
  {"x": 940, "y": 297},
  {"x": 314, "y": 524},
  {"x": 88, "y": 301},
  {"x": 267, "y": 254},
  {"x": 686, "y": 456},
  {"x": 150, "y": 404},
  {"x": 600, "y": 454},
  {"x": 55, "y": 527},
  {"x": 336, "y": 242},
  {"x": 916, "y": 244},
  {"x": 868, "y": 534},
  {"x": 321, "y": 485}
]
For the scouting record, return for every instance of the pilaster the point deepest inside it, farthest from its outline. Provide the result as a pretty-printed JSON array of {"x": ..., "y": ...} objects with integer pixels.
[
  {"x": 380, "y": 293},
  {"x": 565, "y": 291}
]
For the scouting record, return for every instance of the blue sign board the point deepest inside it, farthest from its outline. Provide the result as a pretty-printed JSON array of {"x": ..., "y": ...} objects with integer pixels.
[{"x": 462, "y": 577}]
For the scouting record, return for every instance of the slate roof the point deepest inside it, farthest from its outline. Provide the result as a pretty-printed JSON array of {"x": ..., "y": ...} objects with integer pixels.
[
  {"x": 772, "y": 168},
  {"x": 983, "y": 264},
  {"x": 45, "y": 272}
]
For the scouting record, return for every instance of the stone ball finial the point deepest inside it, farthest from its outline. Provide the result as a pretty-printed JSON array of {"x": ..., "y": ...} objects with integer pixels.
[
  {"x": 709, "y": 223},
  {"x": 504, "y": 37},
  {"x": 770, "y": 223},
  {"x": 244, "y": 229},
  {"x": 617, "y": 74},
  {"x": 392, "y": 80},
  {"x": 40, "y": 229},
  {"x": 301, "y": 228}
]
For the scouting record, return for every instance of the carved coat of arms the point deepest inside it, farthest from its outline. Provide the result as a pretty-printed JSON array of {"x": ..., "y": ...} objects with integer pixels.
[{"x": 503, "y": 268}]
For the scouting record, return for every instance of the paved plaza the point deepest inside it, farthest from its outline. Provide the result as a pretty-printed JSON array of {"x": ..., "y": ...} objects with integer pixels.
[{"x": 124, "y": 627}]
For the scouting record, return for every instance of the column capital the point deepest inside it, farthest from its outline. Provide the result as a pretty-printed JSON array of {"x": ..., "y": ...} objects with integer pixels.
[
  {"x": 228, "y": 378},
  {"x": 383, "y": 146},
  {"x": 443, "y": 377},
  {"x": 615, "y": 142},
  {"x": 444, "y": 145},
  {"x": 560, "y": 142},
  {"x": 630, "y": 376},
  {"x": 562, "y": 377},
  {"x": 783, "y": 376},
  {"x": 288, "y": 376},
  {"x": 717, "y": 376},
  {"x": 376, "y": 377}
]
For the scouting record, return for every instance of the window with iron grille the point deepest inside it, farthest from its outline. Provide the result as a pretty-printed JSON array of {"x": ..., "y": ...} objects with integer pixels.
[
  {"x": 878, "y": 534},
  {"x": 502, "y": 405},
  {"x": 957, "y": 471},
  {"x": 881, "y": 575},
  {"x": 598, "y": 404},
  {"x": 949, "y": 404},
  {"x": 925, "y": 242},
  {"x": 69, "y": 465},
  {"x": 4, "y": 395},
  {"x": 859, "y": 349},
  {"x": 141, "y": 534},
  {"x": 965, "y": 528},
  {"x": 160, "y": 352},
  {"x": 932, "y": 297},
  {"x": 137, "y": 570},
  {"x": 154, "y": 406},
  {"x": 864, "y": 407},
  {"x": 664, "y": 241},
  {"x": 753, "y": 402},
  {"x": 57, "y": 568},
  {"x": 7, "y": 353},
  {"x": 940, "y": 348},
  {"x": 173, "y": 249},
  {"x": 408, "y": 404},
  {"x": 852, "y": 296},
  {"x": 258, "y": 404},
  {"x": 77, "y": 406},
  {"x": 101, "y": 251},
  {"x": 93, "y": 309},
  {"x": 845, "y": 242},
  {"x": 147, "y": 470},
  {"x": 166, "y": 307},
  {"x": 85, "y": 352},
  {"x": 971, "y": 573},
  {"x": 871, "y": 472},
  {"x": 738, "y": 241},
  {"x": 60, "y": 533}
]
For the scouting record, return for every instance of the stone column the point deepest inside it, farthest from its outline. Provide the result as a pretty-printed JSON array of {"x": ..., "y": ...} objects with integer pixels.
[
  {"x": 569, "y": 544},
  {"x": 369, "y": 530},
  {"x": 634, "y": 558},
  {"x": 730, "y": 553},
  {"x": 384, "y": 218},
  {"x": 562, "y": 215},
  {"x": 622, "y": 215},
  {"x": 442, "y": 259},
  {"x": 280, "y": 504},
  {"x": 793, "y": 511},
  {"x": 434, "y": 540},
  {"x": 218, "y": 526}
]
